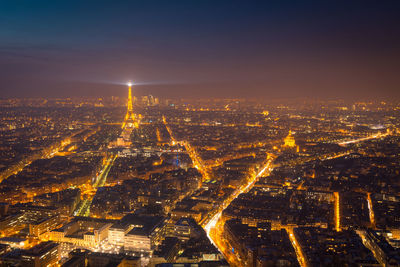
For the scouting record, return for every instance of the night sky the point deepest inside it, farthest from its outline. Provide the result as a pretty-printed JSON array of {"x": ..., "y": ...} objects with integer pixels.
[{"x": 255, "y": 49}]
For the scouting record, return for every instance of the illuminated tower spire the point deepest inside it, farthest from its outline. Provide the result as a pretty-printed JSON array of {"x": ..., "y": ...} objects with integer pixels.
[
  {"x": 130, "y": 108},
  {"x": 130, "y": 118}
]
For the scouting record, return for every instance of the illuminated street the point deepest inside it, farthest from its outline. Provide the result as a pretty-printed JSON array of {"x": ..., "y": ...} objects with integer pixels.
[
  {"x": 102, "y": 177},
  {"x": 84, "y": 207},
  {"x": 197, "y": 161},
  {"x": 371, "y": 211},
  {"x": 337, "y": 211},
  {"x": 46, "y": 153},
  {"x": 297, "y": 247},
  {"x": 362, "y": 139},
  {"x": 214, "y": 227}
]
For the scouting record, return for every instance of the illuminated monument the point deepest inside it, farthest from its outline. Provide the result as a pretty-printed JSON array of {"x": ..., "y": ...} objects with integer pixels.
[
  {"x": 290, "y": 143},
  {"x": 130, "y": 120},
  {"x": 289, "y": 140}
]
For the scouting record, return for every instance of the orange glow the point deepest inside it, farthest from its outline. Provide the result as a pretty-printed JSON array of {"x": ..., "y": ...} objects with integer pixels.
[
  {"x": 130, "y": 117},
  {"x": 296, "y": 246},
  {"x": 197, "y": 161},
  {"x": 374, "y": 136},
  {"x": 157, "y": 163},
  {"x": 371, "y": 211},
  {"x": 337, "y": 211},
  {"x": 289, "y": 140},
  {"x": 214, "y": 226},
  {"x": 159, "y": 139}
]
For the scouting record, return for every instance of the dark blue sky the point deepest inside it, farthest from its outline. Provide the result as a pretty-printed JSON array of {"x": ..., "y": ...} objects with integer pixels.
[{"x": 200, "y": 48}]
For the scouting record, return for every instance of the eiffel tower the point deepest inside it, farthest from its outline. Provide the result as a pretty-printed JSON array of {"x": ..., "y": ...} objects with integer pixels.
[{"x": 130, "y": 121}]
